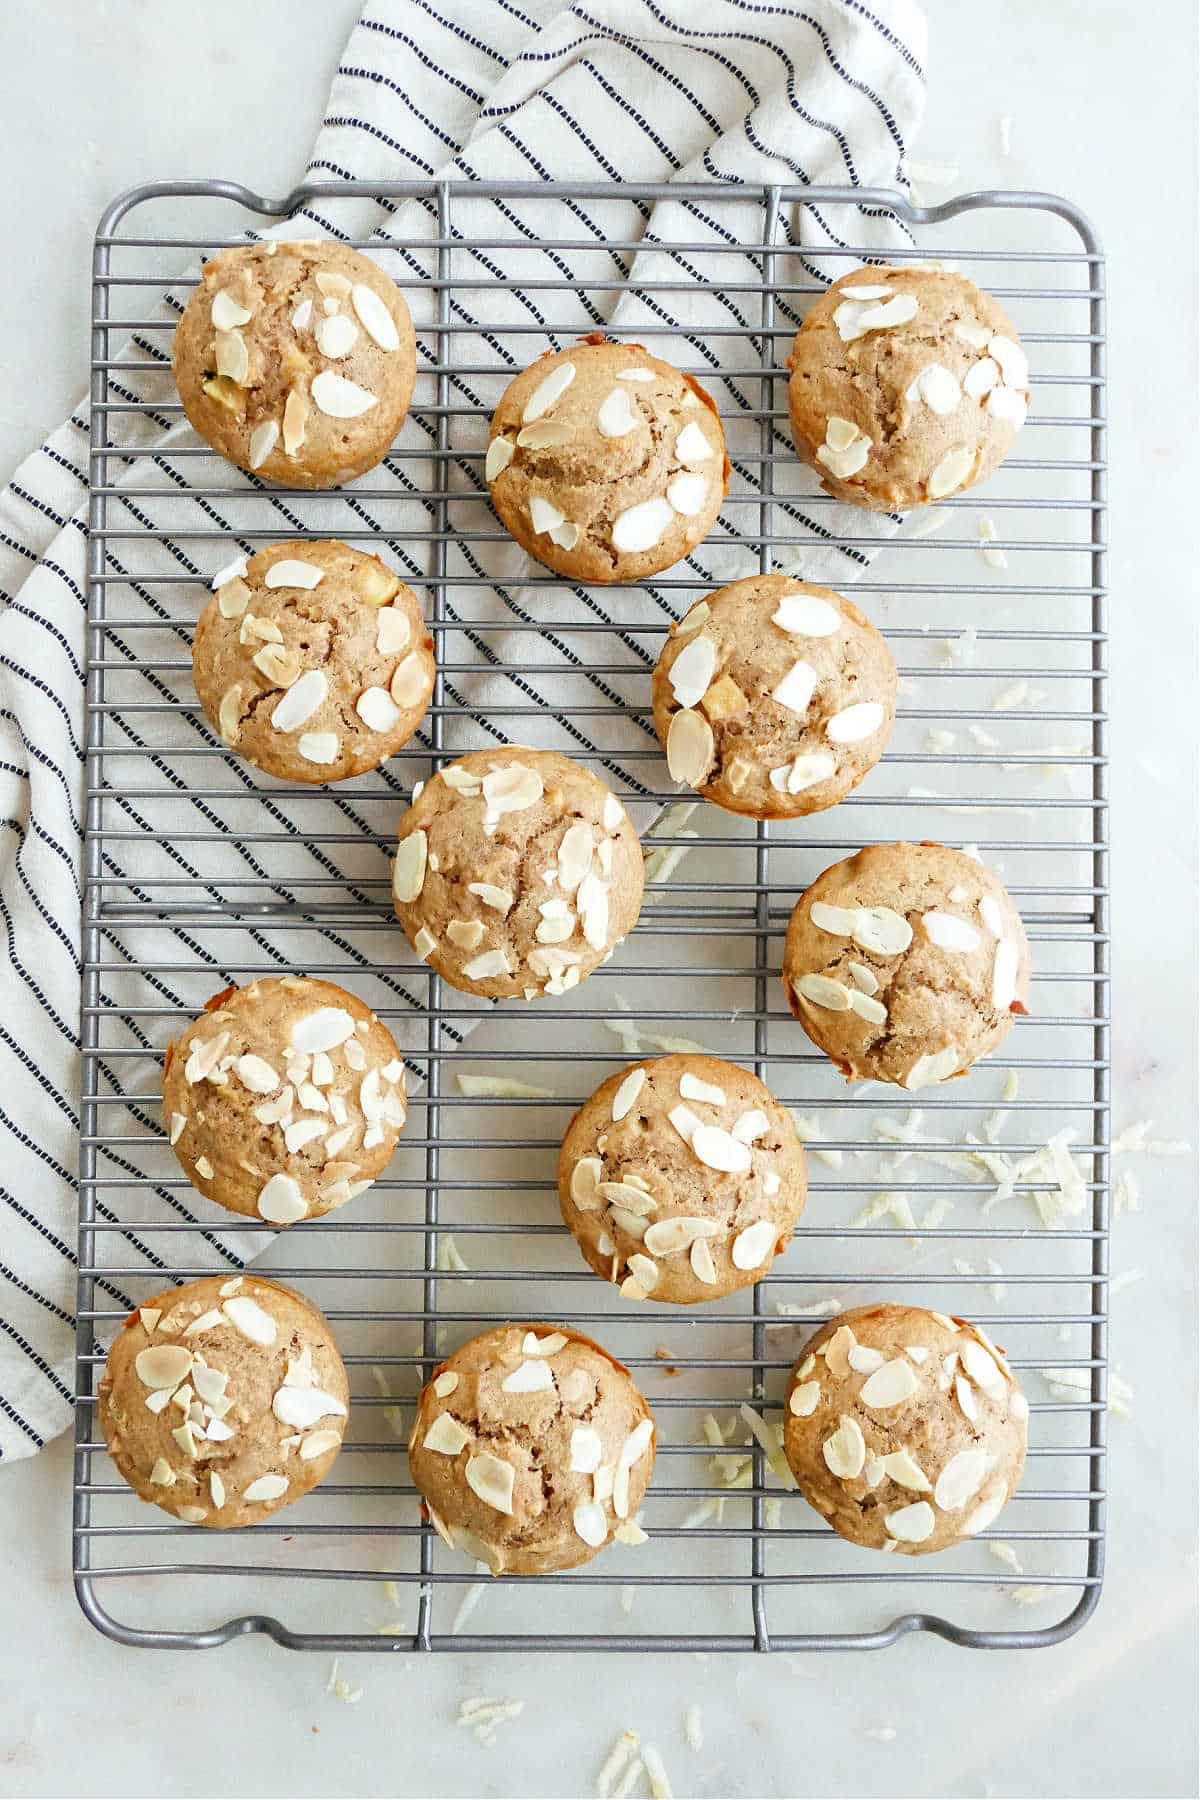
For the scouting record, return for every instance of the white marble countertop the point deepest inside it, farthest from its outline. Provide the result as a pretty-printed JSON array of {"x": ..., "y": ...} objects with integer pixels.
[{"x": 100, "y": 97}]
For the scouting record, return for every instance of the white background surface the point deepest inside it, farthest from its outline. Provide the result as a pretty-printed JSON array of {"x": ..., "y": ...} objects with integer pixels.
[{"x": 1102, "y": 96}]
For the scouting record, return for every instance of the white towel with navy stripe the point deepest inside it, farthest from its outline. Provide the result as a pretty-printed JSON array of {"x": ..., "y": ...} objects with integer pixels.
[{"x": 802, "y": 91}]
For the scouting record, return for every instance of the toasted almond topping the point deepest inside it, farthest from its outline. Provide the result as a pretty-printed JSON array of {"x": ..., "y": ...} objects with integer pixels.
[
  {"x": 845, "y": 1450},
  {"x": 492, "y": 1480},
  {"x": 912, "y": 1524},
  {"x": 338, "y": 398},
  {"x": 548, "y": 392}
]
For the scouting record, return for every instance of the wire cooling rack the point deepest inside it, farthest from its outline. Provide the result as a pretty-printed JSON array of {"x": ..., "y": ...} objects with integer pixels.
[{"x": 198, "y": 873}]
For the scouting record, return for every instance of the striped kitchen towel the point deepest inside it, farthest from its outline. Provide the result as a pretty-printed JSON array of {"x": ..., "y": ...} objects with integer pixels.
[{"x": 799, "y": 91}]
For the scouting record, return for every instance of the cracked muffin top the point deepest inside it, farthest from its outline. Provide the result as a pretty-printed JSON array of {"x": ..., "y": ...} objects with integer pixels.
[
  {"x": 605, "y": 462},
  {"x": 906, "y": 963},
  {"x": 906, "y": 1429},
  {"x": 517, "y": 873},
  {"x": 907, "y": 385},
  {"x": 312, "y": 661},
  {"x": 296, "y": 361},
  {"x": 532, "y": 1449},
  {"x": 284, "y": 1099},
  {"x": 681, "y": 1179},
  {"x": 774, "y": 698},
  {"x": 224, "y": 1400}
]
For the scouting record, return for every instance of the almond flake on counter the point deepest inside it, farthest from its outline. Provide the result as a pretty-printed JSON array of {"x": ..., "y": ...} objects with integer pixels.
[
  {"x": 1030, "y": 1596},
  {"x": 998, "y": 1289},
  {"x": 500, "y": 1087},
  {"x": 770, "y": 1440},
  {"x": 660, "y": 1786},
  {"x": 929, "y": 520},
  {"x": 993, "y": 557},
  {"x": 1120, "y": 1282},
  {"x": 662, "y": 863},
  {"x": 880, "y": 1734},
  {"x": 449, "y": 1259},
  {"x": 1004, "y": 125},
  {"x": 1134, "y": 1140},
  {"x": 829, "y": 1307},
  {"x": 393, "y": 1414},
  {"x": 629, "y": 1779},
  {"x": 962, "y": 649},
  {"x": 693, "y": 1724},
  {"x": 483, "y": 1715},
  {"x": 341, "y": 1689},
  {"x": 808, "y": 1130},
  {"x": 625, "y": 1748},
  {"x": 470, "y": 1599},
  {"x": 1005, "y": 1554},
  {"x": 938, "y": 741},
  {"x": 885, "y": 1205},
  {"x": 1126, "y": 1194}
]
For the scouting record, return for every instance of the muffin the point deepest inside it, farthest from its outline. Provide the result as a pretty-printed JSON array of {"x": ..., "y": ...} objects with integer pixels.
[
  {"x": 313, "y": 661},
  {"x": 296, "y": 361},
  {"x": 905, "y": 1429},
  {"x": 284, "y": 1099},
  {"x": 224, "y": 1400},
  {"x": 906, "y": 963},
  {"x": 517, "y": 873},
  {"x": 606, "y": 463},
  {"x": 532, "y": 1449},
  {"x": 681, "y": 1179},
  {"x": 773, "y": 698},
  {"x": 907, "y": 385}
]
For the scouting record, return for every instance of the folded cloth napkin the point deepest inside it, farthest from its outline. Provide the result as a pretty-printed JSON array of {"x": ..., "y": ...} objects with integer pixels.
[{"x": 809, "y": 92}]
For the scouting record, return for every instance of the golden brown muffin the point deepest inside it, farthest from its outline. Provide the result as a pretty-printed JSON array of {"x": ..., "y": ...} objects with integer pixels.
[
  {"x": 224, "y": 1400},
  {"x": 605, "y": 462},
  {"x": 907, "y": 385},
  {"x": 296, "y": 361},
  {"x": 906, "y": 1429},
  {"x": 313, "y": 662},
  {"x": 517, "y": 873},
  {"x": 773, "y": 698},
  {"x": 681, "y": 1179},
  {"x": 284, "y": 1099},
  {"x": 906, "y": 963},
  {"x": 532, "y": 1449}
]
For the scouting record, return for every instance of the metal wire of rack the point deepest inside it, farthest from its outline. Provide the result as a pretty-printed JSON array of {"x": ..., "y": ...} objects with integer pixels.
[{"x": 197, "y": 874}]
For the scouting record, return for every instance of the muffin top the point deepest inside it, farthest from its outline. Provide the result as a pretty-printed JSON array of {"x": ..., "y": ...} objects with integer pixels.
[
  {"x": 517, "y": 872},
  {"x": 774, "y": 698},
  {"x": 532, "y": 1449},
  {"x": 906, "y": 963},
  {"x": 906, "y": 1429},
  {"x": 296, "y": 361},
  {"x": 605, "y": 462},
  {"x": 681, "y": 1179},
  {"x": 907, "y": 385},
  {"x": 284, "y": 1099},
  {"x": 313, "y": 661},
  {"x": 224, "y": 1400}
]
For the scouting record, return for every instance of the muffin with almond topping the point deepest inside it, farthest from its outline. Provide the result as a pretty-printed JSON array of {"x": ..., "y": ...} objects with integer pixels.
[
  {"x": 517, "y": 873},
  {"x": 907, "y": 385},
  {"x": 906, "y": 1429},
  {"x": 312, "y": 661},
  {"x": 284, "y": 1099},
  {"x": 681, "y": 1179},
  {"x": 296, "y": 361},
  {"x": 774, "y": 698},
  {"x": 532, "y": 1449},
  {"x": 224, "y": 1400},
  {"x": 906, "y": 963},
  {"x": 605, "y": 462}
]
